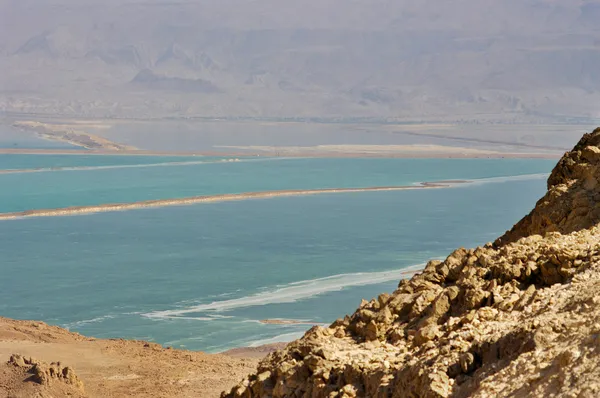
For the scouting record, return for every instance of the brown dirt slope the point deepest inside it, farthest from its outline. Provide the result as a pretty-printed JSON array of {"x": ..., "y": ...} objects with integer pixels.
[
  {"x": 515, "y": 318},
  {"x": 38, "y": 360}
]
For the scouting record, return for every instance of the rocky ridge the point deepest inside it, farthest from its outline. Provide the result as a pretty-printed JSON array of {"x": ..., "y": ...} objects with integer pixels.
[
  {"x": 43, "y": 373},
  {"x": 515, "y": 317},
  {"x": 573, "y": 198}
]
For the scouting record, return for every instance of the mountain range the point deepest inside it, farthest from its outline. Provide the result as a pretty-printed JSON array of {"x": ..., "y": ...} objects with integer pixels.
[{"x": 399, "y": 60}]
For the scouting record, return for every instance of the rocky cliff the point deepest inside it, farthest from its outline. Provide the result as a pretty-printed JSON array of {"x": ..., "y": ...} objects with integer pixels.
[
  {"x": 518, "y": 317},
  {"x": 573, "y": 198}
]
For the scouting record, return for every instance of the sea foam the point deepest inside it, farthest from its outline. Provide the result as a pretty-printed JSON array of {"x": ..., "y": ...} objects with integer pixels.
[{"x": 292, "y": 292}]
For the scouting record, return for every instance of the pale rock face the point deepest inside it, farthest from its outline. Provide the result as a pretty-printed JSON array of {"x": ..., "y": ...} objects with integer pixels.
[
  {"x": 43, "y": 373},
  {"x": 519, "y": 317},
  {"x": 573, "y": 198}
]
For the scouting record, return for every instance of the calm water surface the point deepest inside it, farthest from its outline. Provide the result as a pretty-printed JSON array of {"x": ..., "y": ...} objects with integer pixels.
[
  {"x": 203, "y": 276},
  {"x": 122, "y": 182}
]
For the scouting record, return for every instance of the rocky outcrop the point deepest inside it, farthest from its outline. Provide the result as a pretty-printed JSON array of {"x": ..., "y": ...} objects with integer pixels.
[
  {"x": 45, "y": 374},
  {"x": 573, "y": 198},
  {"x": 517, "y": 317},
  {"x": 24, "y": 377}
]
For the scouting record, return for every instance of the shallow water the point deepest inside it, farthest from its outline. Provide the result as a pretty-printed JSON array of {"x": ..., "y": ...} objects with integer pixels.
[
  {"x": 15, "y": 138},
  {"x": 51, "y": 162},
  {"x": 125, "y": 183},
  {"x": 203, "y": 276}
]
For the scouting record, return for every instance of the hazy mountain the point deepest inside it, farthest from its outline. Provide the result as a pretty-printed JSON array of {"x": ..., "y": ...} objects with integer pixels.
[
  {"x": 526, "y": 60},
  {"x": 146, "y": 79}
]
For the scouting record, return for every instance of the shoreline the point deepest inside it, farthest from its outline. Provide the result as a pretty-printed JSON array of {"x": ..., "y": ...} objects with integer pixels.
[
  {"x": 276, "y": 154},
  {"x": 249, "y": 352},
  {"x": 70, "y": 134},
  {"x": 115, "y": 166},
  {"x": 112, "y": 207}
]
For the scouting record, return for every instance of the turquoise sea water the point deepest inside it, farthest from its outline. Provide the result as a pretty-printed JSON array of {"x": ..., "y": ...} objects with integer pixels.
[
  {"x": 53, "y": 161},
  {"x": 203, "y": 276},
  {"x": 120, "y": 183}
]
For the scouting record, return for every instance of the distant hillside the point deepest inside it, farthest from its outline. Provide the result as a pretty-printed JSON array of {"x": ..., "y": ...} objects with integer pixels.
[
  {"x": 151, "y": 81},
  {"x": 524, "y": 61}
]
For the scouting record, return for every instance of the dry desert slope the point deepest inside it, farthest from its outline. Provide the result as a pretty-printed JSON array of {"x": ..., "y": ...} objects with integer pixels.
[{"x": 87, "y": 367}]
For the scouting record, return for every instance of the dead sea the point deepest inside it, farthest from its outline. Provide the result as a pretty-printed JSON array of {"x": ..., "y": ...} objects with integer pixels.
[
  {"x": 208, "y": 259},
  {"x": 78, "y": 210}
]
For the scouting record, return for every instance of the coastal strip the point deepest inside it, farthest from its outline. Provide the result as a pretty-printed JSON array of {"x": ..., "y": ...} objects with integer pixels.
[
  {"x": 130, "y": 166},
  {"x": 300, "y": 153},
  {"x": 80, "y": 210},
  {"x": 288, "y": 293},
  {"x": 72, "y": 134}
]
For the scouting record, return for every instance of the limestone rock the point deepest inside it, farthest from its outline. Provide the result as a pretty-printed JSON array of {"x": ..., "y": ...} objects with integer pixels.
[
  {"x": 573, "y": 198},
  {"x": 43, "y": 373}
]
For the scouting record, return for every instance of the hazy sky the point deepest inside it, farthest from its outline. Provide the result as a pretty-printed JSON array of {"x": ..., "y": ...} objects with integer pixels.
[{"x": 509, "y": 60}]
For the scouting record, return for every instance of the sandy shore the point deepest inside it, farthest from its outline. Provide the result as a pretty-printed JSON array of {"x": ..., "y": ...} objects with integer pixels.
[
  {"x": 71, "y": 134},
  {"x": 285, "y": 322},
  {"x": 79, "y": 210},
  {"x": 117, "y": 166},
  {"x": 348, "y": 153},
  {"x": 254, "y": 352}
]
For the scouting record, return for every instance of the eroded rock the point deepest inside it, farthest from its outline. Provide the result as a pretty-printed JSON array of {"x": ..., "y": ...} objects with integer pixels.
[{"x": 43, "y": 373}]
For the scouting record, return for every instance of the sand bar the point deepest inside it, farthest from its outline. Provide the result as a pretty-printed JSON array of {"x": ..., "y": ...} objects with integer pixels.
[
  {"x": 300, "y": 153},
  {"x": 79, "y": 210},
  {"x": 121, "y": 166},
  {"x": 72, "y": 134}
]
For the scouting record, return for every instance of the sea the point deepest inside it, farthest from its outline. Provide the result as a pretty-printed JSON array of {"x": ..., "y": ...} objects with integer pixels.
[{"x": 207, "y": 276}]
